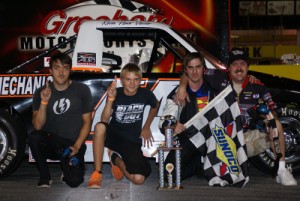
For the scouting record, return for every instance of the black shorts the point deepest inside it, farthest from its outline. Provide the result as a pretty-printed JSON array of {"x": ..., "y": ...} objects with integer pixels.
[{"x": 131, "y": 153}]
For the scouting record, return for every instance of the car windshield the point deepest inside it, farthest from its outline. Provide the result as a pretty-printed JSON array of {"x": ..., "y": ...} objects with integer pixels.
[
  {"x": 151, "y": 49},
  {"x": 154, "y": 50}
]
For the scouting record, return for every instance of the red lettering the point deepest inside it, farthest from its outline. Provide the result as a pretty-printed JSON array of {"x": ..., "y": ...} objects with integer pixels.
[
  {"x": 70, "y": 20},
  {"x": 56, "y": 24},
  {"x": 103, "y": 18},
  {"x": 63, "y": 22}
]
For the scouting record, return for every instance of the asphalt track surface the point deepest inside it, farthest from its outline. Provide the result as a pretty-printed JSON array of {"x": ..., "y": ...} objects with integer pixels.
[{"x": 21, "y": 186}]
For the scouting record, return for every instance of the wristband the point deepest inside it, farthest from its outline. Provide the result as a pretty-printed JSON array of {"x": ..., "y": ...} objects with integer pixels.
[
  {"x": 110, "y": 99},
  {"x": 44, "y": 103}
]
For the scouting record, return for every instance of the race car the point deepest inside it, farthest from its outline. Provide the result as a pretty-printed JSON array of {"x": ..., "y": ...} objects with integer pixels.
[{"x": 99, "y": 51}]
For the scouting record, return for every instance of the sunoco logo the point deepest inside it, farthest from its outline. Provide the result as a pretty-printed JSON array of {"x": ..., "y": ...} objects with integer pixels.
[
  {"x": 59, "y": 25},
  {"x": 226, "y": 149}
]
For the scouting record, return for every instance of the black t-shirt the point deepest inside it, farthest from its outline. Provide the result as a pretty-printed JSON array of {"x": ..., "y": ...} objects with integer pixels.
[
  {"x": 128, "y": 112},
  {"x": 65, "y": 109}
]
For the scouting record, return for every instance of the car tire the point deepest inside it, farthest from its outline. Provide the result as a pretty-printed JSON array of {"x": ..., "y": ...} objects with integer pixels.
[
  {"x": 12, "y": 143},
  {"x": 290, "y": 119}
]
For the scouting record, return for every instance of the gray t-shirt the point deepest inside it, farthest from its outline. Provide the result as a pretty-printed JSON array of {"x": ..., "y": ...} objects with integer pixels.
[{"x": 65, "y": 109}]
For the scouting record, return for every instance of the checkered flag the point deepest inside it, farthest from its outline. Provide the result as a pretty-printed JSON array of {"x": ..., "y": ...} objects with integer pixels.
[
  {"x": 217, "y": 132},
  {"x": 129, "y": 5}
]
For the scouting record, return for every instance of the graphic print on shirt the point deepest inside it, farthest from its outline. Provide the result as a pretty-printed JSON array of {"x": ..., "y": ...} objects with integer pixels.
[
  {"x": 61, "y": 106},
  {"x": 129, "y": 113},
  {"x": 202, "y": 102}
]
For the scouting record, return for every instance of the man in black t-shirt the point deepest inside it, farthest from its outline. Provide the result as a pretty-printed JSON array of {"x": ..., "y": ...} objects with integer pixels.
[
  {"x": 62, "y": 116},
  {"x": 121, "y": 124}
]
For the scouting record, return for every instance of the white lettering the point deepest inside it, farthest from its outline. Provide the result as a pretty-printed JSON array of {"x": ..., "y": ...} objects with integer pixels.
[
  {"x": 283, "y": 111},
  {"x": 5, "y": 85},
  {"x": 21, "y": 85},
  {"x": 28, "y": 88},
  {"x": 13, "y": 83},
  {"x": 12, "y": 151}
]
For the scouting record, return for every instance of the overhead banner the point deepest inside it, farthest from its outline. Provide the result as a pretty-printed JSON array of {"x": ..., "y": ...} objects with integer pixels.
[{"x": 30, "y": 27}]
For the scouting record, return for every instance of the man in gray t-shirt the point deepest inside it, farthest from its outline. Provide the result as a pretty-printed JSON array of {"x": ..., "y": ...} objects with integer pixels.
[{"x": 61, "y": 120}]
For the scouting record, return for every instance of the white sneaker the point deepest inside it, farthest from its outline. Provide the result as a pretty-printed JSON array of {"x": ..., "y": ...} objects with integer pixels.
[
  {"x": 44, "y": 183},
  {"x": 62, "y": 179},
  {"x": 285, "y": 178},
  {"x": 217, "y": 181}
]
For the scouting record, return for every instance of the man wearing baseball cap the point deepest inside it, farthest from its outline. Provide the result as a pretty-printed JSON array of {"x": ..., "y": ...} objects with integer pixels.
[
  {"x": 248, "y": 95},
  {"x": 248, "y": 91}
]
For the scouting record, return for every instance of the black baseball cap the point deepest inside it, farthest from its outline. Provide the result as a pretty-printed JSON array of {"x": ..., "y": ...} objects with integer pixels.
[{"x": 237, "y": 54}]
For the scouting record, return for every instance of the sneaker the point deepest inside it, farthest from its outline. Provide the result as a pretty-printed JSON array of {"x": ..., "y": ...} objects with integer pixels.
[
  {"x": 95, "y": 180},
  {"x": 285, "y": 178},
  {"x": 62, "y": 178},
  {"x": 44, "y": 183},
  {"x": 115, "y": 170}
]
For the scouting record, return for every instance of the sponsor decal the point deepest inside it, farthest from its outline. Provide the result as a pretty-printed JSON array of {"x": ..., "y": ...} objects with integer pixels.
[
  {"x": 267, "y": 159},
  {"x": 58, "y": 25},
  {"x": 11, "y": 154},
  {"x": 226, "y": 149},
  {"x": 267, "y": 96},
  {"x": 85, "y": 58},
  {"x": 256, "y": 96},
  {"x": 14, "y": 85},
  {"x": 28, "y": 43},
  {"x": 290, "y": 112},
  {"x": 47, "y": 62},
  {"x": 61, "y": 22}
]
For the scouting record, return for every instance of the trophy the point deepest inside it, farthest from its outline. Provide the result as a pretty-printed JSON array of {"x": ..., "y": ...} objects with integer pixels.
[
  {"x": 167, "y": 127},
  {"x": 170, "y": 168}
]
